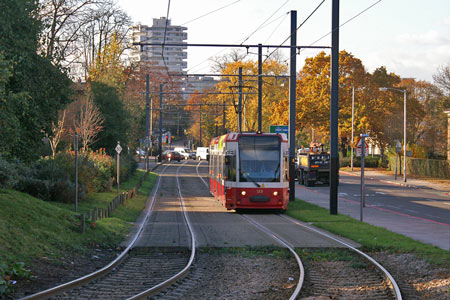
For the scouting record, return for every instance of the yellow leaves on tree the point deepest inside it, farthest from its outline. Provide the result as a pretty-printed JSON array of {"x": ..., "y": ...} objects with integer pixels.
[{"x": 107, "y": 67}]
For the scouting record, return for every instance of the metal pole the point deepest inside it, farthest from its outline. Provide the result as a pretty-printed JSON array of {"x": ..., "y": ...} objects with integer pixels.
[
  {"x": 118, "y": 171},
  {"x": 201, "y": 126},
  {"x": 76, "y": 170},
  {"x": 404, "y": 136},
  {"x": 223, "y": 117},
  {"x": 353, "y": 122},
  {"x": 334, "y": 109},
  {"x": 292, "y": 100},
  {"x": 151, "y": 126},
  {"x": 160, "y": 123},
  {"x": 147, "y": 109},
  {"x": 259, "y": 87},
  {"x": 363, "y": 195},
  {"x": 240, "y": 101}
]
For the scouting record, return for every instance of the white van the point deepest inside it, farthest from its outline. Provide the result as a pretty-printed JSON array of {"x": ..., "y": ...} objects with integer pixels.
[
  {"x": 202, "y": 153},
  {"x": 185, "y": 152}
]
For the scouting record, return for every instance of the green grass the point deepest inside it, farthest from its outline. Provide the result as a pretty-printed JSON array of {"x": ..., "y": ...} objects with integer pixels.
[
  {"x": 250, "y": 251},
  {"x": 31, "y": 228},
  {"x": 372, "y": 238}
]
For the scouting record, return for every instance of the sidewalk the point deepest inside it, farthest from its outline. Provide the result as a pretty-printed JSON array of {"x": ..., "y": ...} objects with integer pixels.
[
  {"x": 441, "y": 185},
  {"x": 421, "y": 229},
  {"x": 152, "y": 163}
]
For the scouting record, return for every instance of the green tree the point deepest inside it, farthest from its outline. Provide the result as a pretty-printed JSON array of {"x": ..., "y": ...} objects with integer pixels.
[
  {"x": 115, "y": 116},
  {"x": 32, "y": 89}
]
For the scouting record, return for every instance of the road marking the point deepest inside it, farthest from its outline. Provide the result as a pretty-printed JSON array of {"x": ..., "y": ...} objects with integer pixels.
[
  {"x": 381, "y": 193},
  {"x": 343, "y": 194}
]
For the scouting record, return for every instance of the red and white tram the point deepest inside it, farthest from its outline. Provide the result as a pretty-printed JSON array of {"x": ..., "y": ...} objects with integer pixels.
[{"x": 250, "y": 170}]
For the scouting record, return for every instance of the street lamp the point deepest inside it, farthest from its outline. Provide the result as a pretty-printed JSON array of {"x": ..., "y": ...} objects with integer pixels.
[{"x": 383, "y": 89}]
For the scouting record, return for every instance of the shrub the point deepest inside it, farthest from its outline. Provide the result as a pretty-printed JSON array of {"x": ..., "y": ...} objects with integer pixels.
[
  {"x": 47, "y": 180},
  {"x": 128, "y": 166},
  {"x": 94, "y": 169},
  {"x": 369, "y": 162},
  {"x": 9, "y": 174}
]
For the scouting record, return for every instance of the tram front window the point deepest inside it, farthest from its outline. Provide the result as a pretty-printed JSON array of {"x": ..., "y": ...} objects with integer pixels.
[{"x": 259, "y": 158}]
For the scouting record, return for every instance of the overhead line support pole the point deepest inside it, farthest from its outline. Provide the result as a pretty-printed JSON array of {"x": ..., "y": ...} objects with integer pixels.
[
  {"x": 160, "y": 123},
  {"x": 147, "y": 111},
  {"x": 259, "y": 87},
  {"x": 334, "y": 109},
  {"x": 240, "y": 101},
  {"x": 292, "y": 100}
]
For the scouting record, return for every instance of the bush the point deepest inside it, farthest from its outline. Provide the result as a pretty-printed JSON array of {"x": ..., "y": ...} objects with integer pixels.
[
  {"x": 94, "y": 169},
  {"x": 369, "y": 161},
  {"x": 9, "y": 174},
  {"x": 47, "y": 180},
  {"x": 128, "y": 166}
]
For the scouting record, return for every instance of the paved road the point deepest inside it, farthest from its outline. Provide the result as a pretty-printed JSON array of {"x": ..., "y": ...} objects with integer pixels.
[
  {"x": 415, "y": 210},
  {"x": 213, "y": 225}
]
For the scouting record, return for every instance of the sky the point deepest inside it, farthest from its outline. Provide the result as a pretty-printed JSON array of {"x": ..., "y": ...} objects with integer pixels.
[{"x": 411, "y": 38}]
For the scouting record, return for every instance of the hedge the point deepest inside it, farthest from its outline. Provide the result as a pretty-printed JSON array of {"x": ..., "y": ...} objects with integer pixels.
[{"x": 423, "y": 167}]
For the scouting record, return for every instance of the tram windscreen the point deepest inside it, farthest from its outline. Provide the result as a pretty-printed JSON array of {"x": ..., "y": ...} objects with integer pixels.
[{"x": 259, "y": 158}]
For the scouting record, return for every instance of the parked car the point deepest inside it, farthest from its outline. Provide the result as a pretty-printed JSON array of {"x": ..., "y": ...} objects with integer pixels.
[
  {"x": 140, "y": 152},
  {"x": 202, "y": 153},
  {"x": 170, "y": 155},
  {"x": 185, "y": 152}
]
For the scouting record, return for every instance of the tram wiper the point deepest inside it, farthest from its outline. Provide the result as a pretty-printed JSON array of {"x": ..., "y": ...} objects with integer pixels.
[{"x": 252, "y": 180}]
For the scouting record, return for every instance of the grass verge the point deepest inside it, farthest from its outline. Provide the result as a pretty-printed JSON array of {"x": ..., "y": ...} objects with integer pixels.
[
  {"x": 31, "y": 228},
  {"x": 372, "y": 238}
]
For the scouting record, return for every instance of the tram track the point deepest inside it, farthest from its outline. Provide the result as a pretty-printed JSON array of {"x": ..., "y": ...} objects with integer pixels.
[
  {"x": 371, "y": 282},
  {"x": 135, "y": 273}
]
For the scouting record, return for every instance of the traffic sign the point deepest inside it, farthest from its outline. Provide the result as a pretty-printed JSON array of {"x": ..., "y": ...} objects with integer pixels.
[
  {"x": 118, "y": 148},
  {"x": 279, "y": 129},
  {"x": 359, "y": 148}
]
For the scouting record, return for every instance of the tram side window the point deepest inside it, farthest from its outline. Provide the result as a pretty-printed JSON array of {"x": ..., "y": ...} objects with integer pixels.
[{"x": 230, "y": 167}]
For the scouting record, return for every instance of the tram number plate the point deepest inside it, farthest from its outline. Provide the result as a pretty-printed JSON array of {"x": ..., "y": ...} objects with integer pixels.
[{"x": 259, "y": 191}]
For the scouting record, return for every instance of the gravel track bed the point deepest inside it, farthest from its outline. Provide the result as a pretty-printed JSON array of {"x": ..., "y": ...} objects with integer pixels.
[{"x": 226, "y": 276}]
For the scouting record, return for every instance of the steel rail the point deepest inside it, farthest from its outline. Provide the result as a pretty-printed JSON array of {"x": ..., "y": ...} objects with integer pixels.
[
  {"x": 386, "y": 273},
  {"x": 273, "y": 235},
  {"x": 92, "y": 276},
  {"x": 165, "y": 284},
  {"x": 280, "y": 240}
]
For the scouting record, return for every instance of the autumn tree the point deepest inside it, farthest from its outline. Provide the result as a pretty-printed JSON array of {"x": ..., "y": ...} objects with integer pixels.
[
  {"x": 442, "y": 79},
  {"x": 58, "y": 130},
  {"x": 88, "y": 123},
  {"x": 313, "y": 96}
]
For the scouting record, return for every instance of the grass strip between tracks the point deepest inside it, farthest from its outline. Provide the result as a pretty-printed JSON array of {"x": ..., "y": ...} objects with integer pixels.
[
  {"x": 31, "y": 228},
  {"x": 372, "y": 238}
]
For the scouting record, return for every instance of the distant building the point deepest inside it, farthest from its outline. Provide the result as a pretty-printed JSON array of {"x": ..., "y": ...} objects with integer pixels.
[
  {"x": 173, "y": 57},
  {"x": 198, "y": 83}
]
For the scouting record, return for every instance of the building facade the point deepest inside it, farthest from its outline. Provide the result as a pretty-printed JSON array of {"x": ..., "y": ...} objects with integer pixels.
[{"x": 171, "y": 57}]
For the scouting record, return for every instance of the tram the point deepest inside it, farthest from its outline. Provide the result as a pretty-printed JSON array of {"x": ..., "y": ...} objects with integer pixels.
[{"x": 250, "y": 170}]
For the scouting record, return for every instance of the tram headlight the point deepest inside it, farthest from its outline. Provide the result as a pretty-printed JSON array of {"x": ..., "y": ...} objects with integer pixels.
[
  {"x": 243, "y": 193},
  {"x": 275, "y": 193}
]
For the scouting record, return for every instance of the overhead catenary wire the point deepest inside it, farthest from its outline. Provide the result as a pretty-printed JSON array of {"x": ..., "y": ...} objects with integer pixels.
[
  {"x": 307, "y": 18},
  {"x": 262, "y": 24},
  {"x": 164, "y": 39},
  {"x": 211, "y": 12},
  {"x": 220, "y": 51},
  {"x": 355, "y": 16}
]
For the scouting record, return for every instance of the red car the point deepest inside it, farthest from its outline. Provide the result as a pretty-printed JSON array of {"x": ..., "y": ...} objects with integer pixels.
[{"x": 171, "y": 155}]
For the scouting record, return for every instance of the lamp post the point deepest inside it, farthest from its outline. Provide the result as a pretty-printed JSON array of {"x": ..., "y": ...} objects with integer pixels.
[
  {"x": 353, "y": 122},
  {"x": 383, "y": 89}
]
